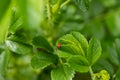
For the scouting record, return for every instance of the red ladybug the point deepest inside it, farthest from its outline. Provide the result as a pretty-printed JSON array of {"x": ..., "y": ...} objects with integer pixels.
[{"x": 59, "y": 45}]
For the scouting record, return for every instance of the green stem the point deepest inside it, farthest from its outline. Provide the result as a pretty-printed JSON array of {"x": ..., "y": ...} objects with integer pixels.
[
  {"x": 48, "y": 11},
  {"x": 114, "y": 75},
  {"x": 66, "y": 2},
  {"x": 91, "y": 73},
  {"x": 50, "y": 22}
]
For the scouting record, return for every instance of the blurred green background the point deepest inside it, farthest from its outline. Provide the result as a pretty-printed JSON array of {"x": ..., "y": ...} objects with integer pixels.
[{"x": 22, "y": 20}]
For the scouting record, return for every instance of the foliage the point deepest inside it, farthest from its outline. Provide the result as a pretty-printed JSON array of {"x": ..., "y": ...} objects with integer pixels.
[{"x": 59, "y": 39}]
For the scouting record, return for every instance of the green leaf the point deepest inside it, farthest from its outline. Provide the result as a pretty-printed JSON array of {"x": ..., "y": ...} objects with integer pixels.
[
  {"x": 16, "y": 25},
  {"x": 117, "y": 77},
  {"x": 18, "y": 47},
  {"x": 94, "y": 51},
  {"x": 62, "y": 72},
  {"x": 113, "y": 54},
  {"x": 112, "y": 20},
  {"x": 83, "y": 4},
  {"x": 114, "y": 51},
  {"x": 42, "y": 60},
  {"x": 4, "y": 4},
  {"x": 4, "y": 58},
  {"x": 16, "y": 21},
  {"x": 63, "y": 54},
  {"x": 41, "y": 42},
  {"x": 2, "y": 48},
  {"x": 22, "y": 36},
  {"x": 73, "y": 43},
  {"x": 79, "y": 63},
  {"x": 82, "y": 40},
  {"x": 103, "y": 64},
  {"x": 117, "y": 43},
  {"x": 98, "y": 32}
]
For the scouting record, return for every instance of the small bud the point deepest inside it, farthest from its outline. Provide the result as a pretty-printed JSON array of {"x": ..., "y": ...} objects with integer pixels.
[{"x": 102, "y": 75}]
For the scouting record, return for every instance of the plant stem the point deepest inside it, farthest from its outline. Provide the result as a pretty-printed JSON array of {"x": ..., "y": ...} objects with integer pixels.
[
  {"x": 91, "y": 73},
  {"x": 114, "y": 75},
  {"x": 66, "y": 2},
  {"x": 48, "y": 11},
  {"x": 50, "y": 23}
]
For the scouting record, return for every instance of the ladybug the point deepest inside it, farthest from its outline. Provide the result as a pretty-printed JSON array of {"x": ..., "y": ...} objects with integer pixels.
[{"x": 59, "y": 45}]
